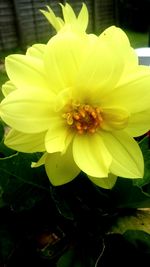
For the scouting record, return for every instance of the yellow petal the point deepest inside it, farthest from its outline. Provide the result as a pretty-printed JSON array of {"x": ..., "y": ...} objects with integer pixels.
[
  {"x": 101, "y": 69},
  {"x": 68, "y": 14},
  {"x": 127, "y": 157},
  {"x": 62, "y": 99},
  {"x": 40, "y": 162},
  {"x": 52, "y": 18},
  {"x": 112, "y": 33},
  {"x": 114, "y": 118},
  {"x": 7, "y": 88},
  {"x": 58, "y": 137},
  {"x": 26, "y": 72},
  {"x": 27, "y": 111},
  {"x": 107, "y": 182},
  {"x": 61, "y": 169},
  {"x": 122, "y": 46},
  {"x": 83, "y": 18},
  {"x": 28, "y": 143},
  {"x": 133, "y": 94},
  {"x": 91, "y": 155},
  {"x": 36, "y": 51},
  {"x": 63, "y": 57},
  {"x": 139, "y": 123}
]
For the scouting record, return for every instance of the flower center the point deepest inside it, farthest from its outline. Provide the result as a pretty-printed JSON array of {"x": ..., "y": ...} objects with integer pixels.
[{"x": 83, "y": 118}]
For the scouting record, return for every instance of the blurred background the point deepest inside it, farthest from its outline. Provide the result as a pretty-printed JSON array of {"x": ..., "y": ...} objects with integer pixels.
[{"x": 22, "y": 24}]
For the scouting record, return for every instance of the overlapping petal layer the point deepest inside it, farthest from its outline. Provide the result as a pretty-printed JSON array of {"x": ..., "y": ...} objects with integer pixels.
[
  {"x": 127, "y": 160},
  {"x": 28, "y": 143},
  {"x": 122, "y": 46},
  {"x": 100, "y": 70},
  {"x": 28, "y": 111},
  {"x": 63, "y": 58},
  {"x": 114, "y": 118},
  {"x": 132, "y": 93},
  {"x": 26, "y": 72},
  {"x": 139, "y": 123},
  {"x": 36, "y": 51},
  {"x": 106, "y": 182},
  {"x": 58, "y": 137},
  {"x": 61, "y": 169},
  {"x": 91, "y": 155},
  {"x": 7, "y": 88}
]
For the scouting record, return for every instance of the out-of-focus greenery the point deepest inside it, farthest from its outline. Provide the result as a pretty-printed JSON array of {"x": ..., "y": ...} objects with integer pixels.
[
  {"x": 137, "y": 39},
  {"x": 3, "y": 77}
]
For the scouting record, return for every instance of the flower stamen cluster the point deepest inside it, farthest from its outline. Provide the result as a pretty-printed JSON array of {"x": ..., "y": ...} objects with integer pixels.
[{"x": 84, "y": 118}]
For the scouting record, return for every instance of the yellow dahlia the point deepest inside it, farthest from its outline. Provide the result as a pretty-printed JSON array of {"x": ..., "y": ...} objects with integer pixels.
[{"x": 81, "y": 100}]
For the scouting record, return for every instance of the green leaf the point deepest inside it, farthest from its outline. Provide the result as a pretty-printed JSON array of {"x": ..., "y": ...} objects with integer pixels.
[
  {"x": 139, "y": 239},
  {"x": 130, "y": 249},
  {"x": 1, "y": 130},
  {"x": 2, "y": 203},
  {"x": 4, "y": 151},
  {"x": 144, "y": 145},
  {"x": 126, "y": 195},
  {"x": 6, "y": 243},
  {"x": 69, "y": 260},
  {"x": 61, "y": 203},
  {"x": 19, "y": 166},
  {"x": 22, "y": 185},
  {"x": 138, "y": 220}
]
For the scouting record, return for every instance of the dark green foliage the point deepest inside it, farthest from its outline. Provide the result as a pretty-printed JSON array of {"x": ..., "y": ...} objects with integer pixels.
[{"x": 69, "y": 225}]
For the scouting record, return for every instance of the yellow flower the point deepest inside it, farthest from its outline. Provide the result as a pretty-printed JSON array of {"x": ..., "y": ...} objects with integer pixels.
[
  {"x": 71, "y": 21},
  {"x": 81, "y": 100}
]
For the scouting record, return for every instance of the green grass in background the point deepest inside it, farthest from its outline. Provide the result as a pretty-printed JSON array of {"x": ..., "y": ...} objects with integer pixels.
[
  {"x": 137, "y": 39},
  {"x": 3, "y": 78}
]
